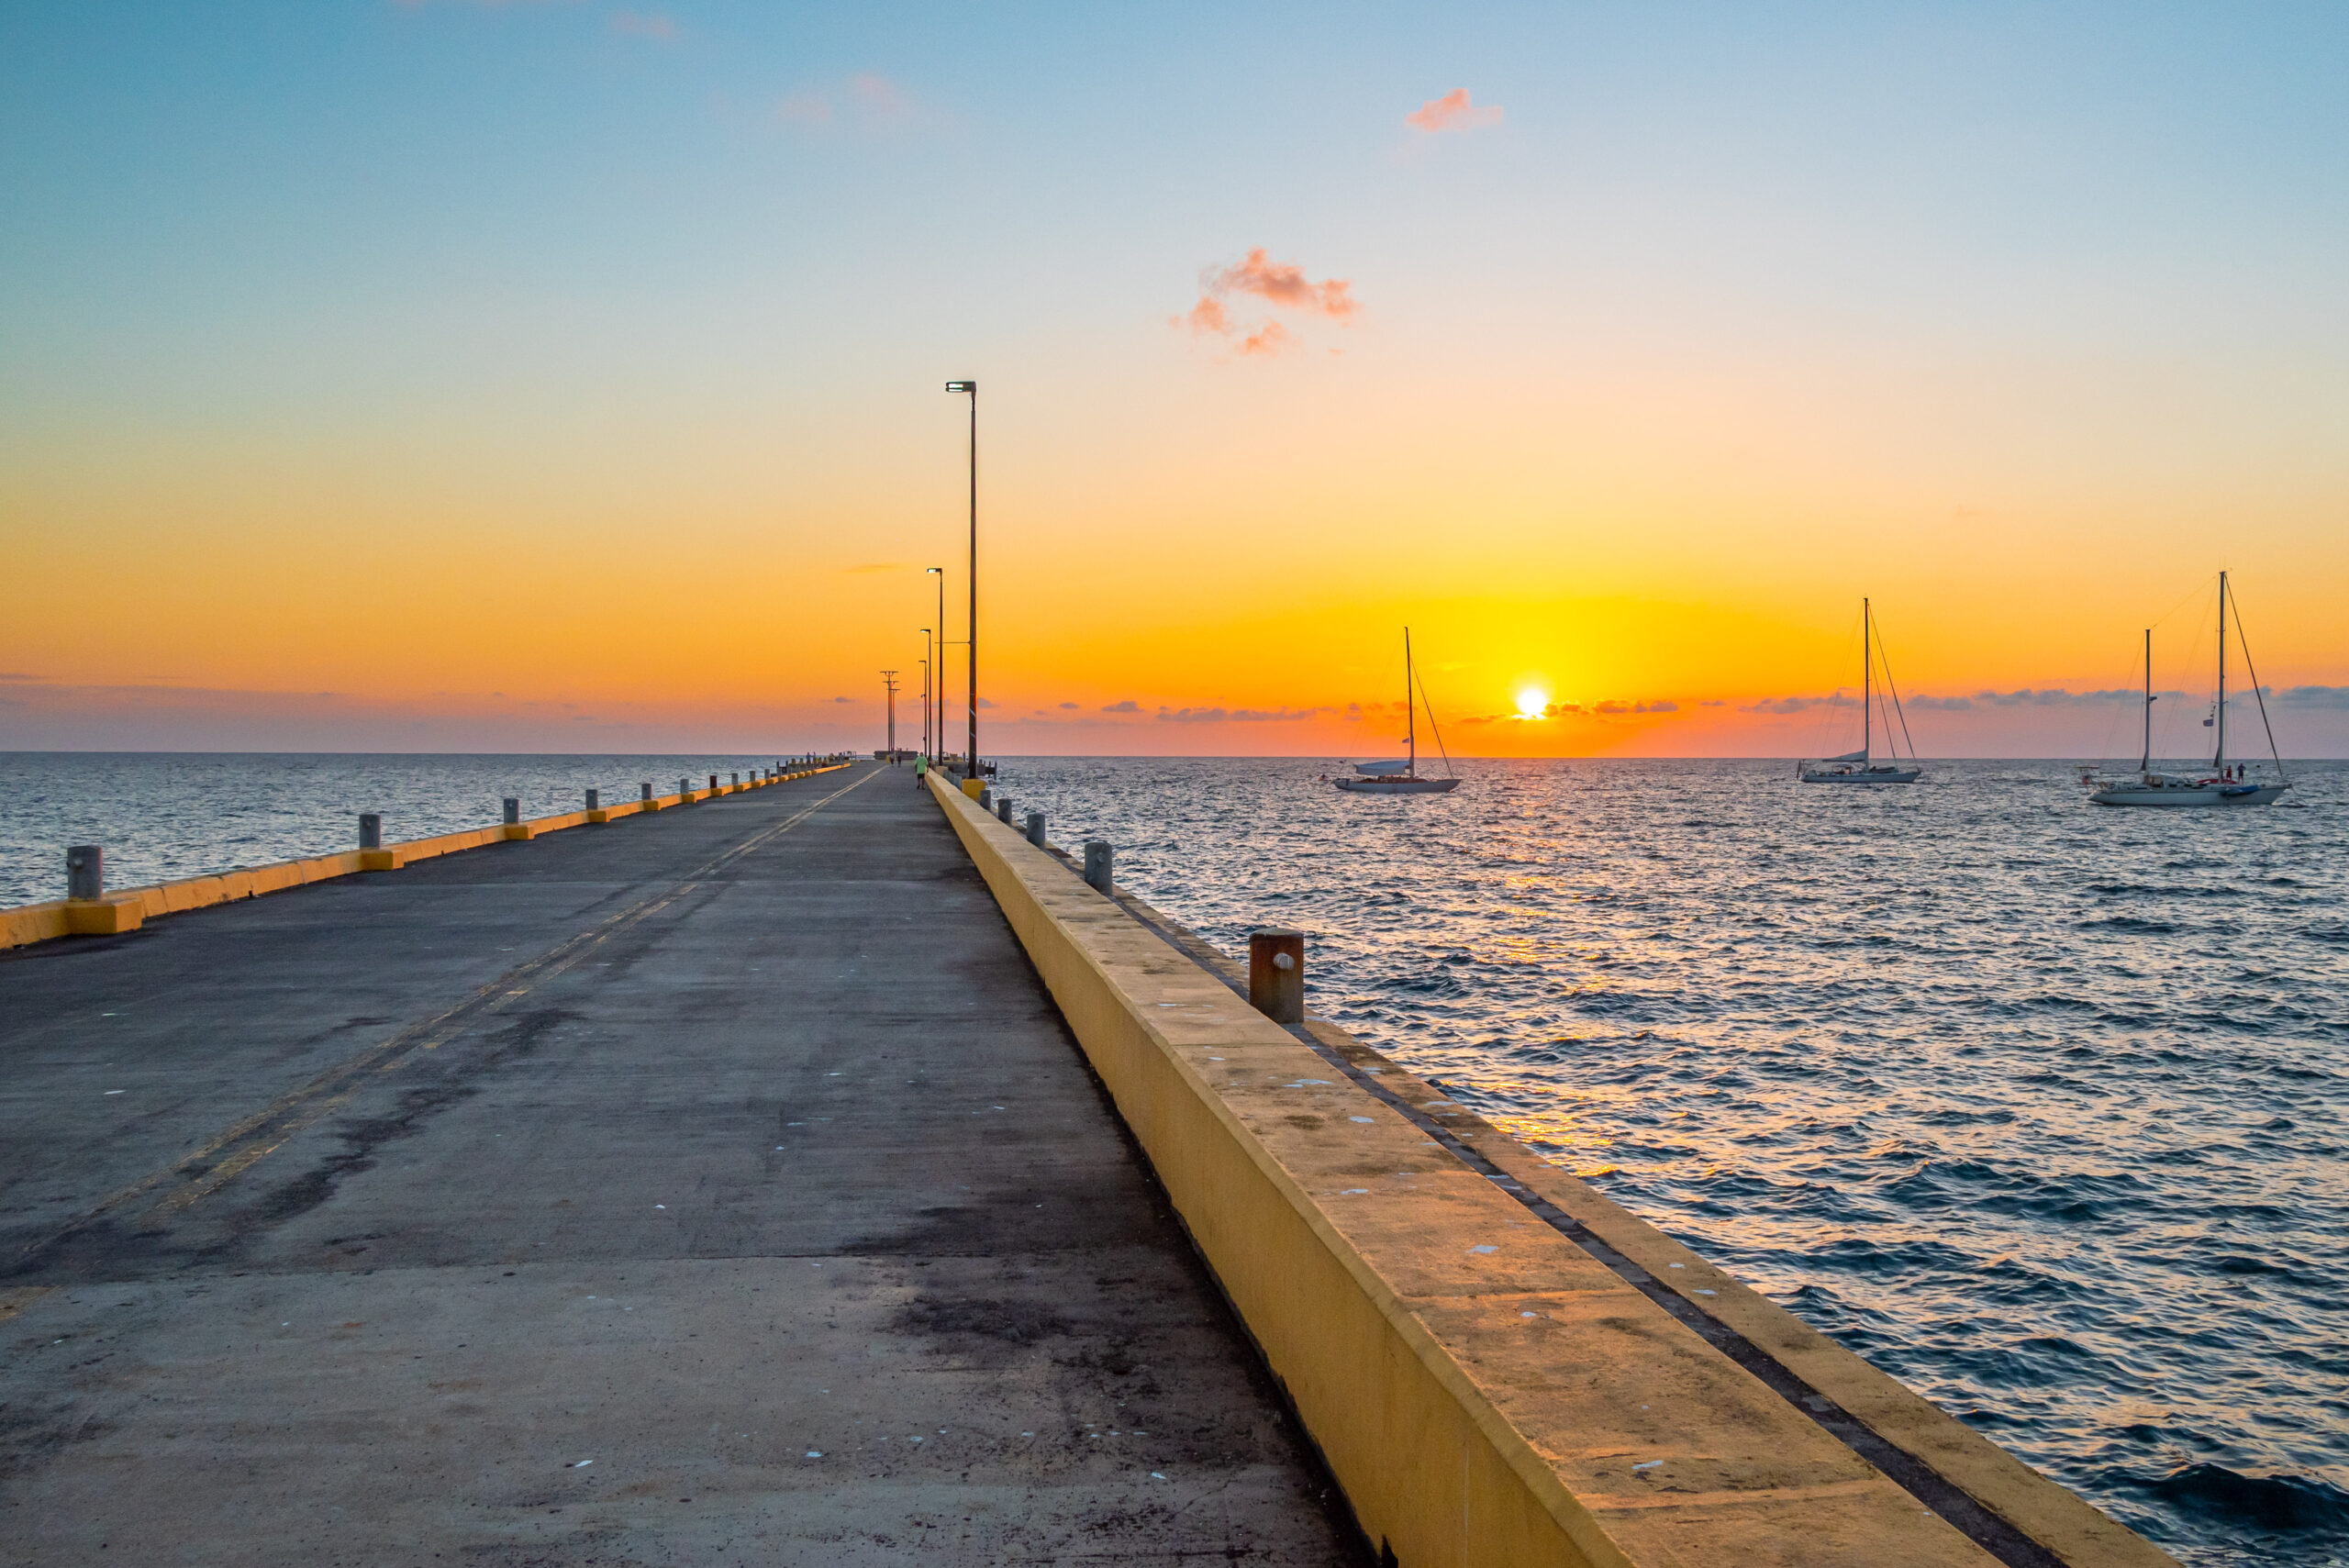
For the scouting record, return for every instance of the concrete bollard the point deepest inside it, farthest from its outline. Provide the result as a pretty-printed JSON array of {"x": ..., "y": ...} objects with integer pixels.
[
  {"x": 647, "y": 796},
  {"x": 591, "y": 801},
  {"x": 371, "y": 831},
  {"x": 736, "y": 778},
  {"x": 1003, "y": 809},
  {"x": 1276, "y": 974},
  {"x": 1036, "y": 828},
  {"x": 85, "y": 872},
  {"x": 986, "y": 798},
  {"x": 513, "y": 810},
  {"x": 1100, "y": 867},
  {"x": 713, "y": 783}
]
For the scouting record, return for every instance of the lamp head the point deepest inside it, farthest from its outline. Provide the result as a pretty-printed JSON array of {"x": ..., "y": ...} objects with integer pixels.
[{"x": 969, "y": 386}]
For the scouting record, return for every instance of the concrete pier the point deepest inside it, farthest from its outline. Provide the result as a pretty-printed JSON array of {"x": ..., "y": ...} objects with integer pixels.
[{"x": 717, "y": 1185}]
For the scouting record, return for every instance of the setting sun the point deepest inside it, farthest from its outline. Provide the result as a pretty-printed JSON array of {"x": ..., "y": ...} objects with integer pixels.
[{"x": 1531, "y": 702}]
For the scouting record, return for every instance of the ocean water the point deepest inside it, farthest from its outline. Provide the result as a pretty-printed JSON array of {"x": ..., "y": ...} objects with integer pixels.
[
  {"x": 164, "y": 816},
  {"x": 2036, "y": 1105}
]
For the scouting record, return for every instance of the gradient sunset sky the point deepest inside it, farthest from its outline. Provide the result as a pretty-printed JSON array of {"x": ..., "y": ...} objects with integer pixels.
[{"x": 565, "y": 376}]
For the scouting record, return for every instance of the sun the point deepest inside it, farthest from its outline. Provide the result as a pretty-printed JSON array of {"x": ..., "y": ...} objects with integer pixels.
[{"x": 1531, "y": 702}]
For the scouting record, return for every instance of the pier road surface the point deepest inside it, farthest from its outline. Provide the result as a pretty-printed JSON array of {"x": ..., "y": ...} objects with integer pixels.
[{"x": 716, "y": 1187}]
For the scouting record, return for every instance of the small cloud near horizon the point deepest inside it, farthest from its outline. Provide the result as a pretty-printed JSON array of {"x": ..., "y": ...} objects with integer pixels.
[
  {"x": 1453, "y": 111},
  {"x": 1240, "y": 715},
  {"x": 1129, "y": 706},
  {"x": 1068, "y": 707}
]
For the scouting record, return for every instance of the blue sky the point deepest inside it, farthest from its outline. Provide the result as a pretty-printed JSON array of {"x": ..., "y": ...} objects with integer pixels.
[{"x": 1731, "y": 307}]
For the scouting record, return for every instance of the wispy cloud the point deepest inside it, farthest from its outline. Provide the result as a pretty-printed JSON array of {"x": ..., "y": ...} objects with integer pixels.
[
  {"x": 1129, "y": 706},
  {"x": 1281, "y": 285},
  {"x": 865, "y": 101},
  {"x": 1783, "y": 705},
  {"x": 1452, "y": 112},
  {"x": 2317, "y": 696},
  {"x": 656, "y": 24},
  {"x": 1068, "y": 707},
  {"x": 1269, "y": 338},
  {"x": 1240, "y": 715},
  {"x": 2056, "y": 696}
]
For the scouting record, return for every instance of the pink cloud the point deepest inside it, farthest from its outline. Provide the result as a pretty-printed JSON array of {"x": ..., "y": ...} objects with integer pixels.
[
  {"x": 1280, "y": 284},
  {"x": 1269, "y": 338},
  {"x": 1287, "y": 286},
  {"x": 880, "y": 98},
  {"x": 1452, "y": 112},
  {"x": 646, "y": 25},
  {"x": 1208, "y": 316}
]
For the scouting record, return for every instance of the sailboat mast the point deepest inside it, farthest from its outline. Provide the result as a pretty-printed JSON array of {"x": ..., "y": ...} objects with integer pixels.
[
  {"x": 1867, "y": 683},
  {"x": 2219, "y": 762},
  {"x": 2145, "y": 757},
  {"x": 1410, "y": 705}
]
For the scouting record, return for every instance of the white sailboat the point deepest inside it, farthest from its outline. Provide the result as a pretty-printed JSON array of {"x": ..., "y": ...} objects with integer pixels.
[
  {"x": 1860, "y": 767},
  {"x": 1401, "y": 777},
  {"x": 2226, "y": 783}
]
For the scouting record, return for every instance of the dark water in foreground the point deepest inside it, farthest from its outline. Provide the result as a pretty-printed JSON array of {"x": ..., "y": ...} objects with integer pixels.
[{"x": 2038, "y": 1105}]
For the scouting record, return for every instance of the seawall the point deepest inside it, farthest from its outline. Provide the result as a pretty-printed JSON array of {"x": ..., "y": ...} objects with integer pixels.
[
  {"x": 1499, "y": 1365},
  {"x": 124, "y": 911}
]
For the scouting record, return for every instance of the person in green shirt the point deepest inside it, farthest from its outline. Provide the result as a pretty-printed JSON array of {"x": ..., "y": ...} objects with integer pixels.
[{"x": 921, "y": 767}]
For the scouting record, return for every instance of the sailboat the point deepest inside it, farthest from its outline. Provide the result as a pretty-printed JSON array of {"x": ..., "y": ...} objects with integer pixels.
[
  {"x": 1860, "y": 767},
  {"x": 1402, "y": 776},
  {"x": 2227, "y": 784}
]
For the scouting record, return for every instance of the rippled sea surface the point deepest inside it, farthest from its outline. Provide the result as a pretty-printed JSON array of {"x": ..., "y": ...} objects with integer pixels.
[
  {"x": 2038, "y": 1105},
  {"x": 164, "y": 816}
]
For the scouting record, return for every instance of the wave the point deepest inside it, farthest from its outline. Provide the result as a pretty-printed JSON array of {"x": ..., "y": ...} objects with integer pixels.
[{"x": 2279, "y": 1504}]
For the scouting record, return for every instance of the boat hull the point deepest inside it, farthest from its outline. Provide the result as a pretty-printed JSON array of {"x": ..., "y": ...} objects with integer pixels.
[
  {"x": 1863, "y": 777},
  {"x": 1396, "y": 786},
  {"x": 2187, "y": 794}
]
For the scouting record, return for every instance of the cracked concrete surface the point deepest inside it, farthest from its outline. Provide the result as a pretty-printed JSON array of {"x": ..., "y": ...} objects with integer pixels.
[{"x": 774, "y": 1218}]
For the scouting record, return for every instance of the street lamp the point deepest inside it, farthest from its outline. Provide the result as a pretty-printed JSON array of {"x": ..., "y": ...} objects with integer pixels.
[
  {"x": 971, "y": 758},
  {"x": 940, "y": 573},
  {"x": 925, "y": 651},
  {"x": 889, "y": 683}
]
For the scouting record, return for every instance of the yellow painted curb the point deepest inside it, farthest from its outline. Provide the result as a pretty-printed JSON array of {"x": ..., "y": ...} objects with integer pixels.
[
  {"x": 126, "y": 911},
  {"x": 1484, "y": 1392}
]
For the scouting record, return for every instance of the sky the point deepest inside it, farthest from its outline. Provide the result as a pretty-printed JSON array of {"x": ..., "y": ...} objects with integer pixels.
[{"x": 559, "y": 375}]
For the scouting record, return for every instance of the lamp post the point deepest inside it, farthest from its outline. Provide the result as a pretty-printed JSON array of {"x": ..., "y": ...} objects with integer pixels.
[
  {"x": 889, "y": 684},
  {"x": 939, "y": 668},
  {"x": 927, "y": 650},
  {"x": 971, "y": 758}
]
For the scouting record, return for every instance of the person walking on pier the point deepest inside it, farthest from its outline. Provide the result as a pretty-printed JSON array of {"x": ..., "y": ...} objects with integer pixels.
[{"x": 921, "y": 768}]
